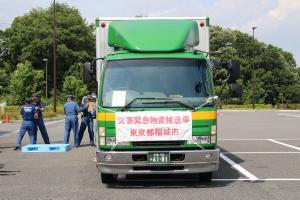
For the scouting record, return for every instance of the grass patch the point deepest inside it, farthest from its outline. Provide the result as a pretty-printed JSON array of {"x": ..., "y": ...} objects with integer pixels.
[
  {"x": 263, "y": 107},
  {"x": 14, "y": 113}
]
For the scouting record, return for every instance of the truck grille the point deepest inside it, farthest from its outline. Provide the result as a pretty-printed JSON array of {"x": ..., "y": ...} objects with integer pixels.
[{"x": 158, "y": 168}]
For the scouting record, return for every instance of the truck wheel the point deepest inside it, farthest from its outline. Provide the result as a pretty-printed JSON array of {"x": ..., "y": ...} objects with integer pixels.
[
  {"x": 205, "y": 177},
  {"x": 108, "y": 178}
]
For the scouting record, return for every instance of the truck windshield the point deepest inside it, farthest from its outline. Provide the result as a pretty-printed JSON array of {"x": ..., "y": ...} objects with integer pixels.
[{"x": 156, "y": 83}]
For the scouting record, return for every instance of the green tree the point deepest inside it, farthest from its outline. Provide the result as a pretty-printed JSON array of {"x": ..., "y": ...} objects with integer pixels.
[
  {"x": 30, "y": 37},
  {"x": 4, "y": 82},
  {"x": 276, "y": 75},
  {"x": 75, "y": 70},
  {"x": 74, "y": 86},
  {"x": 24, "y": 82}
]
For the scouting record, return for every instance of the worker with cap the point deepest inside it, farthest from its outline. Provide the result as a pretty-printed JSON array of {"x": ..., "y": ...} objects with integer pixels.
[
  {"x": 39, "y": 122},
  {"x": 71, "y": 110},
  {"x": 28, "y": 113},
  {"x": 88, "y": 110}
]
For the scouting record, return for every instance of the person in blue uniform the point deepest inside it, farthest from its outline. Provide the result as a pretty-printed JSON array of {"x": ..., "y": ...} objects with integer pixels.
[
  {"x": 39, "y": 122},
  {"x": 28, "y": 113},
  {"x": 71, "y": 110},
  {"x": 87, "y": 120}
]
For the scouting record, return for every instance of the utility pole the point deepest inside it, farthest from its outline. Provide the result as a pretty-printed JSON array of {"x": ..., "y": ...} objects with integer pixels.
[
  {"x": 253, "y": 69},
  {"x": 46, "y": 72},
  {"x": 54, "y": 57}
]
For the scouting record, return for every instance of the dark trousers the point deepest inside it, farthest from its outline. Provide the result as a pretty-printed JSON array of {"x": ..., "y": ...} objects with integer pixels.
[
  {"x": 86, "y": 122},
  {"x": 39, "y": 123}
]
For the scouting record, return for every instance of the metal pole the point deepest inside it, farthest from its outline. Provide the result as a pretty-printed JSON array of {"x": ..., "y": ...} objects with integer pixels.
[
  {"x": 46, "y": 62},
  {"x": 253, "y": 70},
  {"x": 54, "y": 57}
]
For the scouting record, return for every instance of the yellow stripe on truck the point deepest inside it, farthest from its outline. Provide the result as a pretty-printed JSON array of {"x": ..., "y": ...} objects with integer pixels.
[
  {"x": 204, "y": 115},
  {"x": 106, "y": 116}
]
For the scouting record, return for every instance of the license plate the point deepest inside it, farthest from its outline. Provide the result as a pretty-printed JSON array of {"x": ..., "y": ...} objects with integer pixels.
[{"x": 161, "y": 157}]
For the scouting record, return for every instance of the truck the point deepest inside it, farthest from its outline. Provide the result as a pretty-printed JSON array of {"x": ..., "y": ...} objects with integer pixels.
[{"x": 156, "y": 103}]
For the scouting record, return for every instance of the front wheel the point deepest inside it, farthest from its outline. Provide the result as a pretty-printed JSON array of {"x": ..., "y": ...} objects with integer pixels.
[
  {"x": 108, "y": 178},
  {"x": 205, "y": 177}
]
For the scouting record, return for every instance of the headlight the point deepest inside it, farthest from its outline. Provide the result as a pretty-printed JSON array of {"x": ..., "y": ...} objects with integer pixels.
[
  {"x": 199, "y": 140},
  {"x": 123, "y": 143},
  {"x": 110, "y": 141},
  {"x": 102, "y": 131}
]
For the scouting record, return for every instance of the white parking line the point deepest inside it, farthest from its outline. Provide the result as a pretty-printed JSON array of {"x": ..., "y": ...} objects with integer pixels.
[
  {"x": 47, "y": 123},
  {"x": 239, "y": 168},
  {"x": 289, "y": 115},
  {"x": 257, "y": 152},
  {"x": 255, "y": 139},
  {"x": 259, "y": 179},
  {"x": 284, "y": 144}
]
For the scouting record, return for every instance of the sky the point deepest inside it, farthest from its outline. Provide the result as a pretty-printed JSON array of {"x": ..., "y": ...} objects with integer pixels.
[{"x": 277, "y": 21}]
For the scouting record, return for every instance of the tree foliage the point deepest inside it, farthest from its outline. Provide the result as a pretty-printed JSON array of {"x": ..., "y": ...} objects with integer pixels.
[
  {"x": 24, "y": 82},
  {"x": 30, "y": 37},
  {"x": 276, "y": 74},
  {"x": 75, "y": 87},
  {"x": 4, "y": 81}
]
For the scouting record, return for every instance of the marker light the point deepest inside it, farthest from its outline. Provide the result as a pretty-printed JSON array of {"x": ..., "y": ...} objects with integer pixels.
[
  {"x": 213, "y": 139},
  {"x": 202, "y": 24},
  {"x": 102, "y": 131},
  {"x": 102, "y": 140},
  {"x": 213, "y": 130},
  {"x": 103, "y": 25}
]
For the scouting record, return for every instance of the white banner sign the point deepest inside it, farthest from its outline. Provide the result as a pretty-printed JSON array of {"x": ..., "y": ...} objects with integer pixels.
[{"x": 153, "y": 126}]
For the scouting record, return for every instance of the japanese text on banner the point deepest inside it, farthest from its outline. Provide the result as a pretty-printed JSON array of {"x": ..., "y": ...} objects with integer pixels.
[{"x": 153, "y": 125}]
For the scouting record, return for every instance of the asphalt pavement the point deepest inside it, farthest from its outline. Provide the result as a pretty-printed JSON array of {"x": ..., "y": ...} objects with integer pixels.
[{"x": 260, "y": 159}]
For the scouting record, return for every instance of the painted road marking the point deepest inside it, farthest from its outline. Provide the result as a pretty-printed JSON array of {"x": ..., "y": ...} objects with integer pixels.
[
  {"x": 289, "y": 115},
  {"x": 239, "y": 168},
  {"x": 47, "y": 123},
  {"x": 254, "y": 152},
  {"x": 255, "y": 139},
  {"x": 284, "y": 144},
  {"x": 259, "y": 179}
]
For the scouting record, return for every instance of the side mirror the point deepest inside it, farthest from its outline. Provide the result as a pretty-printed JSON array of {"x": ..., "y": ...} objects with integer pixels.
[
  {"x": 234, "y": 70},
  {"x": 235, "y": 90},
  {"x": 216, "y": 64},
  {"x": 87, "y": 72}
]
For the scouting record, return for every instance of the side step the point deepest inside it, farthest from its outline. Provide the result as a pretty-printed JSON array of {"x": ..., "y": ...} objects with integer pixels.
[{"x": 31, "y": 148}]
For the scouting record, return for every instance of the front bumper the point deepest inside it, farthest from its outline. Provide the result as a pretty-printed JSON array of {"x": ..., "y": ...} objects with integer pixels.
[{"x": 122, "y": 162}]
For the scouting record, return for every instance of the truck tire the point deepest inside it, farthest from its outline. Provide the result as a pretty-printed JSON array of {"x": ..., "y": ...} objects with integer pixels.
[
  {"x": 205, "y": 177},
  {"x": 108, "y": 178}
]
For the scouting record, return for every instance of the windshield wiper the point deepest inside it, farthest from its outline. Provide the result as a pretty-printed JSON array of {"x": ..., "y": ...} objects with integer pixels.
[
  {"x": 140, "y": 98},
  {"x": 208, "y": 100},
  {"x": 169, "y": 102}
]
